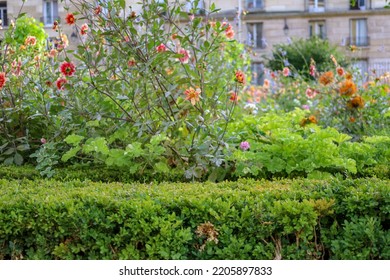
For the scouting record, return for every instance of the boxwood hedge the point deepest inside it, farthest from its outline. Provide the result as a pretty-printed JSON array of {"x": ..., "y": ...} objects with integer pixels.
[{"x": 247, "y": 219}]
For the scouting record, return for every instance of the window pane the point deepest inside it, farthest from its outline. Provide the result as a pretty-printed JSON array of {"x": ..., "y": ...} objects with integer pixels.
[
  {"x": 250, "y": 35},
  {"x": 359, "y": 32},
  {"x": 259, "y": 35},
  {"x": 55, "y": 10}
]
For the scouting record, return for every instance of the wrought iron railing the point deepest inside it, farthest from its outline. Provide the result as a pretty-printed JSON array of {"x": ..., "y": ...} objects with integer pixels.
[{"x": 359, "y": 41}]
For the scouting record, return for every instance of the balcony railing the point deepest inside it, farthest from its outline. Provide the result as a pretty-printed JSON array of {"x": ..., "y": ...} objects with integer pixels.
[{"x": 359, "y": 41}]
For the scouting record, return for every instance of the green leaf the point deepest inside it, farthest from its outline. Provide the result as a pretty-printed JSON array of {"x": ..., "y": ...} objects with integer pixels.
[
  {"x": 18, "y": 159},
  {"x": 23, "y": 147},
  {"x": 98, "y": 145},
  {"x": 74, "y": 139},
  {"x": 134, "y": 150},
  {"x": 71, "y": 153},
  {"x": 161, "y": 167},
  {"x": 9, "y": 151},
  {"x": 9, "y": 161},
  {"x": 94, "y": 123}
]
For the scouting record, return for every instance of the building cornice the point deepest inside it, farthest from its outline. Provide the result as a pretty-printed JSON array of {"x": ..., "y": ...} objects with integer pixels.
[
  {"x": 264, "y": 14},
  {"x": 306, "y": 14}
]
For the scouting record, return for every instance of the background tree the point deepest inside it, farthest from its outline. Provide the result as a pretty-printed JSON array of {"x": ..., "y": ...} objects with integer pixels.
[
  {"x": 26, "y": 26},
  {"x": 298, "y": 54}
]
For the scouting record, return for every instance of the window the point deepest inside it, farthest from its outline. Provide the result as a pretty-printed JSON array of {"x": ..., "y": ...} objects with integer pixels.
[
  {"x": 316, "y": 5},
  {"x": 359, "y": 5},
  {"x": 358, "y": 32},
  {"x": 3, "y": 14},
  {"x": 253, "y": 4},
  {"x": 255, "y": 37},
  {"x": 199, "y": 9},
  {"x": 50, "y": 11},
  {"x": 317, "y": 28},
  {"x": 257, "y": 73}
]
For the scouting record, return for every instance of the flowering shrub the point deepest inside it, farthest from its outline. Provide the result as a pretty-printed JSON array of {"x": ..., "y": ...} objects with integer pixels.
[
  {"x": 334, "y": 98},
  {"x": 133, "y": 77}
]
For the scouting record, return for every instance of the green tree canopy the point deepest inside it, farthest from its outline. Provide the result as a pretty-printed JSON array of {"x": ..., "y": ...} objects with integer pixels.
[
  {"x": 298, "y": 54},
  {"x": 26, "y": 26}
]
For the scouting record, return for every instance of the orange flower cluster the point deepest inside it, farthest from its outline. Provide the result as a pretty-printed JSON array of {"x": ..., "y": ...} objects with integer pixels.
[
  {"x": 309, "y": 120},
  {"x": 356, "y": 102},
  {"x": 256, "y": 94},
  {"x": 348, "y": 88},
  {"x": 326, "y": 78},
  {"x": 240, "y": 77},
  {"x": 234, "y": 97}
]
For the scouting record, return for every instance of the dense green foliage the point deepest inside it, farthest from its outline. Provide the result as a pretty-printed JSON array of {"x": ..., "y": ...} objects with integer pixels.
[
  {"x": 281, "y": 147},
  {"x": 301, "y": 219},
  {"x": 26, "y": 26}
]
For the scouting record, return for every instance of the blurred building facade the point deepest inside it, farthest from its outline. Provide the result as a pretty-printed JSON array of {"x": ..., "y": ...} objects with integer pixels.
[
  {"x": 45, "y": 11},
  {"x": 264, "y": 23}
]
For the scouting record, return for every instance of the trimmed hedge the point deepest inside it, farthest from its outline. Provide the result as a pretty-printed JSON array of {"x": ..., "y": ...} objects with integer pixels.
[
  {"x": 247, "y": 219},
  {"x": 86, "y": 172}
]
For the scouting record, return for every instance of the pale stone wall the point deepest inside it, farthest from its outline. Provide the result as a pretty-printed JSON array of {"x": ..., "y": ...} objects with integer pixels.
[
  {"x": 336, "y": 5},
  {"x": 284, "y": 5}
]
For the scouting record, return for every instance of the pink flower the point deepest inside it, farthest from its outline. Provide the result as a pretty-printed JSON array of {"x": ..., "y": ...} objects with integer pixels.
[
  {"x": 16, "y": 67},
  {"x": 30, "y": 41},
  {"x": 161, "y": 48},
  {"x": 84, "y": 29},
  {"x": 53, "y": 53},
  {"x": 266, "y": 83},
  {"x": 244, "y": 146},
  {"x": 312, "y": 70},
  {"x": 43, "y": 140},
  {"x": 311, "y": 93},
  {"x": 67, "y": 68},
  {"x": 185, "y": 56},
  {"x": 193, "y": 95},
  {"x": 305, "y": 107},
  {"x": 60, "y": 83},
  {"x": 286, "y": 72},
  {"x": 229, "y": 32}
]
